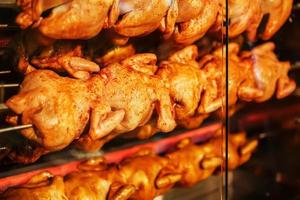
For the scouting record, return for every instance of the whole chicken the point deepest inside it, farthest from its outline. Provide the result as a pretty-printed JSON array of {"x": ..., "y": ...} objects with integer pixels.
[
  {"x": 140, "y": 17},
  {"x": 239, "y": 73},
  {"x": 268, "y": 74},
  {"x": 119, "y": 99},
  {"x": 182, "y": 74},
  {"x": 144, "y": 179},
  {"x": 187, "y": 165},
  {"x": 132, "y": 86},
  {"x": 188, "y": 32},
  {"x": 181, "y": 21},
  {"x": 188, "y": 161},
  {"x": 186, "y": 82},
  {"x": 68, "y": 21},
  {"x": 41, "y": 186},
  {"x": 95, "y": 180},
  {"x": 57, "y": 107}
]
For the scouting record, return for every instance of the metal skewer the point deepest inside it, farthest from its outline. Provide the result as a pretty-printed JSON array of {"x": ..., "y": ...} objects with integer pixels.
[
  {"x": 15, "y": 128},
  {"x": 3, "y": 106},
  {"x": 5, "y": 72},
  {"x": 9, "y": 85}
]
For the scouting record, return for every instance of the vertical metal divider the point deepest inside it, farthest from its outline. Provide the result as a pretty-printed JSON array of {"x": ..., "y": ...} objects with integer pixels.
[{"x": 226, "y": 104}]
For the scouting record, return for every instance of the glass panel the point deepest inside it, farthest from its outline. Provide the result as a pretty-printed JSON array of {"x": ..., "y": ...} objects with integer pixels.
[
  {"x": 263, "y": 99},
  {"x": 139, "y": 82}
]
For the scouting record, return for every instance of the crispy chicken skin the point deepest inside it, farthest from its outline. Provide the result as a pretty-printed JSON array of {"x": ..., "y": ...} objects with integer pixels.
[
  {"x": 142, "y": 17},
  {"x": 42, "y": 186},
  {"x": 268, "y": 74},
  {"x": 62, "y": 58},
  {"x": 119, "y": 99},
  {"x": 57, "y": 107},
  {"x": 179, "y": 20},
  {"x": 143, "y": 175},
  {"x": 189, "y": 31},
  {"x": 79, "y": 19},
  {"x": 181, "y": 73},
  {"x": 242, "y": 14},
  {"x": 132, "y": 87},
  {"x": 123, "y": 96},
  {"x": 253, "y": 75},
  {"x": 279, "y": 11}
]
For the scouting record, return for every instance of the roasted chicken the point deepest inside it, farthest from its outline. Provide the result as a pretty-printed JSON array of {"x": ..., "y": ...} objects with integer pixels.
[
  {"x": 132, "y": 87},
  {"x": 140, "y": 17},
  {"x": 254, "y": 75},
  {"x": 189, "y": 31},
  {"x": 65, "y": 58},
  {"x": 132, "y": 178},
  {"x": 57, "y": 107},
  {"x": 268, "y": 74},
  {"x": 78, "y": 19},
  {"x": 117, "y": 100},
  {"x": 123, "y": 96},
  {"x": 182, "y": 21}
]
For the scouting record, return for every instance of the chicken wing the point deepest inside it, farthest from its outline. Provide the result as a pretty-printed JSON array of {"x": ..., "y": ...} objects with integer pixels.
[{"x": 63, "y": 57}]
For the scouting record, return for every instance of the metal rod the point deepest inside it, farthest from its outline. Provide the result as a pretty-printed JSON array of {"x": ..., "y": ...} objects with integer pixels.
[
  {"x": 9, "y": 85},
  {"x": 15, "y": 128},
  {"x": 296, "y": 6},
  {"x": 5, "y": 72},
  {"x": 296, "y": 65},
  {"x": 3, "y": 107}
]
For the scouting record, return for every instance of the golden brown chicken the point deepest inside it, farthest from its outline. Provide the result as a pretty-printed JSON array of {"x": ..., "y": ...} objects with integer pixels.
[
  {"x": 242, "y": 13},
  {"x": 78, "y": 19},
  {"x": 239, "y": 74},
  {"x": 141, "y": 176},
  {"x": 198, "y": 162},
  {"x": 42, "y": 186},
  {"x": 279, "y": 11},
  {"x": 183, "y": 21},
  {"x": 253, "y": 76},
  {"x": 91, "y": 184},
  {"x": 141, "y": 180},
  {"x": 123, "y": 95},
  {"x": 132, "y": 87},
  {"x": 268, "y": 74},
  {"x": 65, "y": 58},
  {"x": 57, "y": 107},
  {"x": 189, "y": 160},
  {"x": 188, "y": 32},
  {"x": 186, "y": 82},
  {"x": 117, "y": 54},
  {"x": 140, "y": 17},
  {"x": 119, "y": 99}
]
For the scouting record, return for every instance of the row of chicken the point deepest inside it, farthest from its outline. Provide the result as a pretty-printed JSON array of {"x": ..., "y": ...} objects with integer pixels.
[
  {"x": 182, "y": 21},
  {"x": 144, "y": 175},
  {"x": 139, "y": 97}
]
